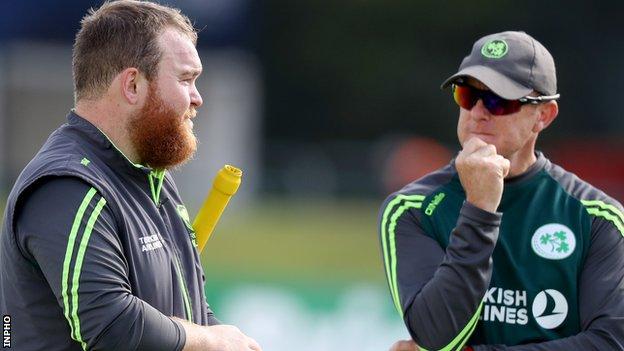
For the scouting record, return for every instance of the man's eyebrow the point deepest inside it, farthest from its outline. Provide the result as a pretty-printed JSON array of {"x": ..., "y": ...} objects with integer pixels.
[{"x": 191, "y": 72}]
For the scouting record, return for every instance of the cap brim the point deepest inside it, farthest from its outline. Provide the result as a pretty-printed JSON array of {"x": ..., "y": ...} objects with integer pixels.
[{"x": 496, "y": 82}]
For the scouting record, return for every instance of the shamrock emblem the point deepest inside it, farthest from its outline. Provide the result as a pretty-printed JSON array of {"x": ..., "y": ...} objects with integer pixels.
[
  {"x": 494, "y": 49},
  {"x": 557, "y": 241}
]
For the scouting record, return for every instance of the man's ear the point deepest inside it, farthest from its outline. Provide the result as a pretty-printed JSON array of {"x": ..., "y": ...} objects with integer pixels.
[
  {"x": 547, "y": 114},
  {"x": 133, "y": 85}
]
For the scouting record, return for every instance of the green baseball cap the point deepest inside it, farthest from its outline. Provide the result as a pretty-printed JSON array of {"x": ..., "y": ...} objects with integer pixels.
[{"x": 512, "y": 64}]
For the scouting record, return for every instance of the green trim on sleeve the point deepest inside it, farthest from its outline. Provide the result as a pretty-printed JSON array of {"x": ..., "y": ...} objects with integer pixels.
[
  {"x": 78, "y": 267},
  {"x": 609, "y": 212},
  {"x": 68, "y": 255},
  {"x": 460, "y": 340},
  {"x": 69, "y": 289},
  {"x": 388, "y": 240},
  {"x": 391, "y": 215},
  {"x": 392, "y": 241}
]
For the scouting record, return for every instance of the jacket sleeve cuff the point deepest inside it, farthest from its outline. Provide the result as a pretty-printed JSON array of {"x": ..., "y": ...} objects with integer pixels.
[
  {"x": 479, "y": 215},
  {"x": 161, "y": 332}
]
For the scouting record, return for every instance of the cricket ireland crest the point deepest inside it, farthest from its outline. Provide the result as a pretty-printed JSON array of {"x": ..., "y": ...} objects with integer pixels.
[
  {"x": 553, "y": 241},
  {"x": 495, "y": 48}
]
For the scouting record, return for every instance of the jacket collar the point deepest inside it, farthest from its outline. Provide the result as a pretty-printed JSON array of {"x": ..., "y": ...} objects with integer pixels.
[{"x": 115, "y": 158}]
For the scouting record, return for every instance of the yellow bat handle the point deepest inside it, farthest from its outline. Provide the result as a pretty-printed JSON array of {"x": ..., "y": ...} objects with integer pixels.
[{"x": 225, "y": 184}]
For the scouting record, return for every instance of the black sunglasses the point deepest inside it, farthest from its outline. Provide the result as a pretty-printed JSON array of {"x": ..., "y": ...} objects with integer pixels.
[{"x": 466, "y": 96}]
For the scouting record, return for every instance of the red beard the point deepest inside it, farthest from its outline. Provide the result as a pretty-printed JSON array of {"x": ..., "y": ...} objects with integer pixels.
[{"x": 159, "y": 135}]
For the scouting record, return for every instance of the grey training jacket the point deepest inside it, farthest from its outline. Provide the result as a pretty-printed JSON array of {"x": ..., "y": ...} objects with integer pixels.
[{"x": 97, "y": 253}]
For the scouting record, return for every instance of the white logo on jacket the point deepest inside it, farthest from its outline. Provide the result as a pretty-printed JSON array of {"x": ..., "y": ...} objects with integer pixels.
[
  {"x": 549, "y": 307},
  {"x": 550, "y": 317},
  {"x": 553, "y": 241},
  {"x": 150, "y": 242}
]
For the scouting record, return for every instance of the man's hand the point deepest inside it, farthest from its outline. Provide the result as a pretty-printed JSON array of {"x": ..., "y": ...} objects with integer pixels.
[
  {"x": 230, "y": 338},
  {"x": 216, "y": 338},
  {"x": 481, "y": 172},
  {"x": 404, "y": 345}
]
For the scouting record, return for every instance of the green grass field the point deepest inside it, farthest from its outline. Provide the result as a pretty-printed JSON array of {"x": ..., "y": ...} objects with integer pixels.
[
  {"x": 297, "y": 241},
  {"x": 290, "y": 241}
]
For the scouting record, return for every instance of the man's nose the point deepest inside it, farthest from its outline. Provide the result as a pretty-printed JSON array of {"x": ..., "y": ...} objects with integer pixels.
[
  {"x": 479, "y": 111},
  {"x": 196, "y": 98}
]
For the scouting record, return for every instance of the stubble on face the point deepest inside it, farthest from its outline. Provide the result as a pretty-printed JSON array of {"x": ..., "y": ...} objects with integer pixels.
[{"x": 161, "y": 137}]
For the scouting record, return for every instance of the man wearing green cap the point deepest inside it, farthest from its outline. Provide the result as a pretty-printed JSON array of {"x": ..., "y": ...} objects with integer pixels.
[{"x": 502, "y": 249}]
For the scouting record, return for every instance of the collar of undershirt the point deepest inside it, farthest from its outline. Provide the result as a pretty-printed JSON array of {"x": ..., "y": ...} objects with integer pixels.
[{"x": 534, "y": 169}]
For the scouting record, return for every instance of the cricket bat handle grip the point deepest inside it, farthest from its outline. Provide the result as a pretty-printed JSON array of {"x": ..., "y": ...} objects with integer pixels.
[{"x": 224, "y": 186}]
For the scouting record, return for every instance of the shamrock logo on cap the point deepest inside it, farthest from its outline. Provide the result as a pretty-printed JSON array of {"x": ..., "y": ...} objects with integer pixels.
[{"x": 495, "y": 48}]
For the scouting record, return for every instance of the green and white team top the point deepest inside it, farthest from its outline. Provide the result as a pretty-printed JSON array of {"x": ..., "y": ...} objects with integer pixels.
[{"x": 546, "y": 272}]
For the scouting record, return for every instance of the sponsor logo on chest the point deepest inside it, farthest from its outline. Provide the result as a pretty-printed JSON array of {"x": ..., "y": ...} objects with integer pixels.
[
  {"x": 150, "y": 243},
  {"x": 549, "y": 308}
]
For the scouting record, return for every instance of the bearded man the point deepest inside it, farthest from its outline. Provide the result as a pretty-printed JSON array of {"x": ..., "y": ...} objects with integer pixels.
[{"x": 96, "y": 248}]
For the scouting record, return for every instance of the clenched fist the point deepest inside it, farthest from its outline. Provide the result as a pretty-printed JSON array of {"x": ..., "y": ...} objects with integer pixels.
[{"x": 481, "y": 172}]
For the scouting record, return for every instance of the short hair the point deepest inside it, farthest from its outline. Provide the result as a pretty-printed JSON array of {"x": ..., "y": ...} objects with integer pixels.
[{"x": 118, "y": 35}]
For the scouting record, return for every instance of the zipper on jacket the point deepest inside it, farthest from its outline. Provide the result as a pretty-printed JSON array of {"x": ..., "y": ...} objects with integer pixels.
[
  {"x": 177, "y": 265},
  {"x": 185, "y": 295}
]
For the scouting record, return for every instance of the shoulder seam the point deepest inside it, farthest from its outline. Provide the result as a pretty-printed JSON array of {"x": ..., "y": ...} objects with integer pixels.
[{"x": 594, "y": 207}]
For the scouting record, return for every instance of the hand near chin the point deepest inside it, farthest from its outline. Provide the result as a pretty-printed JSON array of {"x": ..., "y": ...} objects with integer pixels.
[
  {"x": 404, "y": 345},
  {"x": 481, "y": 171}
]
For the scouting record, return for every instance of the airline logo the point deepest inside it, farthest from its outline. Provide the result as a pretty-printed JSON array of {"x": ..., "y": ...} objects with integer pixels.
[{"x": 549, "y": 308}]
